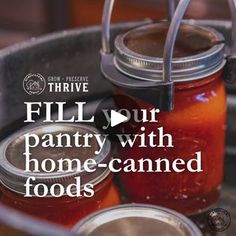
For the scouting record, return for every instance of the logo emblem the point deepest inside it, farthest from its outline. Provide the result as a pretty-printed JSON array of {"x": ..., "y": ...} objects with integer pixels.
[
  {"x": 34, "y": 84},
  {"x": 218, "y": 220}
]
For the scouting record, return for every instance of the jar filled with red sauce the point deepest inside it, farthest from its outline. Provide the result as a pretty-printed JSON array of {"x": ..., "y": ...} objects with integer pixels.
[
  {"x": 62, "y": 210},
  {"x": 197, "y": 122}
]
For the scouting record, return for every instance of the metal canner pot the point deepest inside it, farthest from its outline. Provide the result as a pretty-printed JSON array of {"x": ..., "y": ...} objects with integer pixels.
[{"x": 66, "y": 53}]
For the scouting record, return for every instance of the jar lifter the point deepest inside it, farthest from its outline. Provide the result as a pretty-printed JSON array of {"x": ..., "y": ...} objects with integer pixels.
[{"x": 161, "y": 91}]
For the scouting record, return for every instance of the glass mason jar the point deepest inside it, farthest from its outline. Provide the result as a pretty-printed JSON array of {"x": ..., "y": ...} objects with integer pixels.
[
  {"x": 62, "y": 210},
  {"x": 197, "y": 122},
  {"x": 136, "y": 219}
]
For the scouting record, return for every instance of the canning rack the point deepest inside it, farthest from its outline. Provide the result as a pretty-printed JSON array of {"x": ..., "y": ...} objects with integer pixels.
[{"x": 158, "y": 93}]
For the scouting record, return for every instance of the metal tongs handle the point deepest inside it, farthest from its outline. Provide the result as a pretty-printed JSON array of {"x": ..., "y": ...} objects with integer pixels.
[
  {"x": 106, "y": 25},
  {"x": 171, "y": 38},
  {"x": 171, "y": 8},
  {"x": 106, "y": 21}
]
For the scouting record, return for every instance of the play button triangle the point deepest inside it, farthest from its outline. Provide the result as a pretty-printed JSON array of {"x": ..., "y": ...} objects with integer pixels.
[{"x": 117, "y": 118}]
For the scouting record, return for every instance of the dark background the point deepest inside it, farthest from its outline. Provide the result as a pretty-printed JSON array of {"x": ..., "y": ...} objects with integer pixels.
[{"x": 23, "y": 19}]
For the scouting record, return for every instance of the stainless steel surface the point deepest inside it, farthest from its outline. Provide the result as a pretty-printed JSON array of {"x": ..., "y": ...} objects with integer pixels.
[
  {"x": 227, "y": 201},
  {"x": 136, "y": 220},
  {"x": 12, "y": 161}
]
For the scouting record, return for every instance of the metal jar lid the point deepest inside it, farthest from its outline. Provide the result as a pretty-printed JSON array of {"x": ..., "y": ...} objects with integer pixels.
[
  {"x": 136, "y": 220},
  {"x": 198, "y": 53},
  {"x": 12, "y": 161}
]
